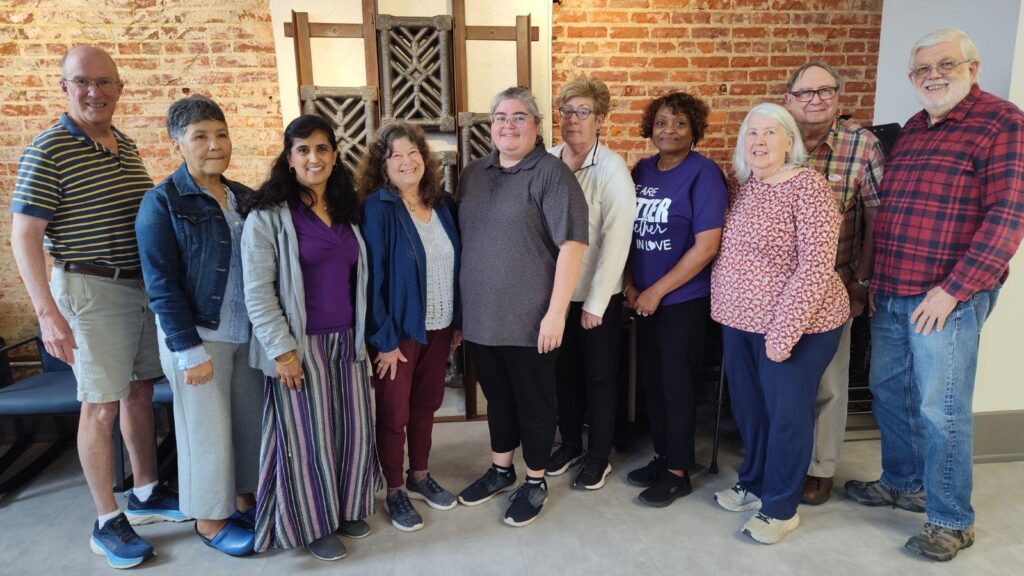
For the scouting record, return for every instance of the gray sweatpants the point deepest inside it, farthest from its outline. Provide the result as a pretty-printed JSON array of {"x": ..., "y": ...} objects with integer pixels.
[
  {"x": 830, "y": 422},
  {"x": 217, "y": 427}
]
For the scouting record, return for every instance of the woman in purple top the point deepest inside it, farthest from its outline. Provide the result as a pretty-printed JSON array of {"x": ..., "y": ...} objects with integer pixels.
[
  {"x": 680, "y": 205},
  {"x": 304, "y": 264}
]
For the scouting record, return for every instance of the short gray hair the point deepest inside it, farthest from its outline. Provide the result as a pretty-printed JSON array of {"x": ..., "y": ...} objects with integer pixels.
[
  {"x": 526, "y": 97},
  {"x": 797, "y": 156},
  {"x": 795, "y": 76},
  {"x": 189, "y": 110},
  {"x": 967, "y": 47}
]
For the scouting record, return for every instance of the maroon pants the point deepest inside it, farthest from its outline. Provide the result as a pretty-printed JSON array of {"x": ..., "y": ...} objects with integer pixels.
[{"x": 408, "y": 403}]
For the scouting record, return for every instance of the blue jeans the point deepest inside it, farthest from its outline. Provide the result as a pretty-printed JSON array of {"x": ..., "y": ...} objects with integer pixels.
[
  {"x": 923, "y": 388},
  {"x": 773, "y": 404}
]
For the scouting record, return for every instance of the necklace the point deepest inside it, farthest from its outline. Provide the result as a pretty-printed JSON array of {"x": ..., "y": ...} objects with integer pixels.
[{"x": 410, "y": 206}]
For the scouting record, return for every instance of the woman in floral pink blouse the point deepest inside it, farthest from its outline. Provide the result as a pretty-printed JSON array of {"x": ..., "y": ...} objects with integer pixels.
[{"x": 781, "y": 304}]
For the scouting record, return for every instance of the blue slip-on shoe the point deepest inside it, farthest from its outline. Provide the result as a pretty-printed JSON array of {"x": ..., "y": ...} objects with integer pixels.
[
  {"x": 119, "y": 543},
  {"x": 162, "y": 506},
  {"x": 245, "y": 519},
  {"x": 233, "y": 539}
]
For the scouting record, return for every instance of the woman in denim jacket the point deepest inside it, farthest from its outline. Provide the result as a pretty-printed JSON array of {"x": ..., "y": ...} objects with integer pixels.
[
  {"x": 413, "y": 317},
  {"x": 189, "y": 231},
  {"x": 304, "y": 264}
]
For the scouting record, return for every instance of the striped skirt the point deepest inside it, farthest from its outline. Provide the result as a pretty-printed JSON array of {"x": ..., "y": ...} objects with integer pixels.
[{"x": 318, "y": 460}]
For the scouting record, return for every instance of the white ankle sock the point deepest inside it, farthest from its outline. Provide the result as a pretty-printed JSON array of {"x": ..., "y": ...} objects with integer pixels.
[
  {"x": 144, "y": 492},
  {"x": 102, "y": 520}
]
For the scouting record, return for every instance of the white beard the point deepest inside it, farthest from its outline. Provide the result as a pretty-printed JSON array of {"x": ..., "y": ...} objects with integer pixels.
[{"x": 938, "y": 106}]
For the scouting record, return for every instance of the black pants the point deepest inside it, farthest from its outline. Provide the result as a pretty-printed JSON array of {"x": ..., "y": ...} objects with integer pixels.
[
  {"x": 587, "y": 366},
  {"x": 519, "y": 384},
  {"x": 670, "y": 350}
]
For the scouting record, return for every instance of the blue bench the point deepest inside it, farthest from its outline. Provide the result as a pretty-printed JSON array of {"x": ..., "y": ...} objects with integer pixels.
[{"x": 52, "y": 394}]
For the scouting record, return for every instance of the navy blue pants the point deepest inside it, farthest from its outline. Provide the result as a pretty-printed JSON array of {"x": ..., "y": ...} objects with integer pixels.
[{"x": 774, "y": 407}]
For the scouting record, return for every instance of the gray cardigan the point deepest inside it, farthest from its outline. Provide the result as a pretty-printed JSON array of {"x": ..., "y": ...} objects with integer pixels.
[{"x": 274, "y": 294}]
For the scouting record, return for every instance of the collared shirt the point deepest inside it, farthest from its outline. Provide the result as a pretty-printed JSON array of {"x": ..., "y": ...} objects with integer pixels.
[
  {"x": 90, "y": 195},
  {"x": 851, "y": 160},
  {"x": 608, "y": 189},
  {"x": 952, "y": 201},
  {"x": 514, "y": 221}
]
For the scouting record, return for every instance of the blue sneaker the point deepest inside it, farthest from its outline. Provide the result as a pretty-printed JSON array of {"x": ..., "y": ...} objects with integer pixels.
[
  {"x": 119, "y": 543},
  {"x": 162, "y": 506},
  {"x": 233, "y": 540}
]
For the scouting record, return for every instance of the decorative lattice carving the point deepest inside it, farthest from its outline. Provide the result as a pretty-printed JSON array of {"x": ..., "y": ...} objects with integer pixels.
[
  {"x": 416, "y": 70},
  {"x": 352, "y": 112},
  {"x": 450, "y": 166},
  {"x": 474, "y": 136}
]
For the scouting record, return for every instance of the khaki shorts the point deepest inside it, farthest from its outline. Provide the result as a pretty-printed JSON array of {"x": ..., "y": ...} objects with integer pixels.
[{"x": 115, "y": 332}]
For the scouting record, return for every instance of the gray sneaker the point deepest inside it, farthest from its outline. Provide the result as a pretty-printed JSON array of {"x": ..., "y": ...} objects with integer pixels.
[
  {"x": 940, "y": 543},
  {"x": 354, "y": 528},
  {"x": 328, "y": 548},
  {"x": 403, "y": 515},
  {"x": 430, "y": 491},
  {"x": 873, "y": 493}
]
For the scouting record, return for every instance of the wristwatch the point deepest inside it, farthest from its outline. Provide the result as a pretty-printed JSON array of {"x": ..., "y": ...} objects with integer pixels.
[{"x": 865, "y": 283}]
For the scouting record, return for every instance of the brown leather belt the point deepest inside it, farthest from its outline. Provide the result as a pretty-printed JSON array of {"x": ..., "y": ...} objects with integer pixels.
[{"x": 96, "y": 270}]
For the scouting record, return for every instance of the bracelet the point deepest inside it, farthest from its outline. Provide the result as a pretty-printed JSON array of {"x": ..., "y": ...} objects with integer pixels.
[{"x": 293, "y": 358}]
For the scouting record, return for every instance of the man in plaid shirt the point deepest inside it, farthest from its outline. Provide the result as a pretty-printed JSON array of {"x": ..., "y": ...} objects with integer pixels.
[
  {"x": 952, "y": 216},
  {"x": 851, "y": 160}
]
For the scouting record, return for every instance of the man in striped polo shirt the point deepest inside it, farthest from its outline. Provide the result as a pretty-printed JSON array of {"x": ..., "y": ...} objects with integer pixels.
[{"x": 78, "y": 189}]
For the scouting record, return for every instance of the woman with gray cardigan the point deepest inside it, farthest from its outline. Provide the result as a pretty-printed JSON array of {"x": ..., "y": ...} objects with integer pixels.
[{"x": 304, "y": 265}]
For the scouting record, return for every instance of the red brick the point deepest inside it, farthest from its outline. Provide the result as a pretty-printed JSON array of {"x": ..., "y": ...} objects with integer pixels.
[
  {"x": 628, "y": 32},
  {"x": 627, "y": 62},
  {"x": 587, "y": 32}
]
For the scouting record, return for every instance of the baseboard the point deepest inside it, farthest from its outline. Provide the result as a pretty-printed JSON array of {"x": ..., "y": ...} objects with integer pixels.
[{"x": 999, "y": 436}]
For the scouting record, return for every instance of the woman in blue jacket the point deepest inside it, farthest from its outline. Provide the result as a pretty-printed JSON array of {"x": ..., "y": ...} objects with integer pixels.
[
  {"x": 189, "y": 231},
  {"x": 413, "y": 317}
]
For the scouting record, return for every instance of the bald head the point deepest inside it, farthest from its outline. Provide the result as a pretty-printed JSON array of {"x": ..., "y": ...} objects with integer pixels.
[
  {"x": 90, "y": 54},
  {"x": 90, "y": 80}
]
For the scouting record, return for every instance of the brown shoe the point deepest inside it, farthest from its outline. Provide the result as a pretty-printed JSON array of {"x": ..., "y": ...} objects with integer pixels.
[{"x": 816, "y": 490}]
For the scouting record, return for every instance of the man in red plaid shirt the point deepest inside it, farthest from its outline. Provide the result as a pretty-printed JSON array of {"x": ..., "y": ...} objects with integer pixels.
[{"x": 952, "y": 217}]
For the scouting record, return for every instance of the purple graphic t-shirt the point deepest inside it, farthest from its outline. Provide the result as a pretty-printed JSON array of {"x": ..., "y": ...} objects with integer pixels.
[{"x": 672, "y": 206}]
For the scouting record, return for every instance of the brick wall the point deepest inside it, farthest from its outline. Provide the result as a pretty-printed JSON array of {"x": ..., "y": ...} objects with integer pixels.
[
  {"x": 733, "y": 53},
  {"x": 165, "y": 49}
]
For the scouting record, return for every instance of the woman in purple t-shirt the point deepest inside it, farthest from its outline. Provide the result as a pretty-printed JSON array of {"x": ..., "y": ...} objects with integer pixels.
[{"x": 680, "y": 205}]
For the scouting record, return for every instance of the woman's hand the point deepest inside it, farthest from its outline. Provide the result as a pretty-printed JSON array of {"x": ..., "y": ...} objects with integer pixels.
[
  {"x": 388, "y": 361},
  {"x": 647, "y": 302},
  {"x": 456, "y": 340},
  {"x": 774, "y": 354},
  {"x": 550, "y": 336},
  {"x": 631, "y": 295},
  {"x": 200, "y": 374},
  {"x": 858, "y": 298},
  {"x": 588, "y": 320},
  {"x": 289, "y": 370}
]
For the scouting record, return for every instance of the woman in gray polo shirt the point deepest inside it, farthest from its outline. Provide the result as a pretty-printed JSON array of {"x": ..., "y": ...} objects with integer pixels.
[{"x": 523, "y": 219}]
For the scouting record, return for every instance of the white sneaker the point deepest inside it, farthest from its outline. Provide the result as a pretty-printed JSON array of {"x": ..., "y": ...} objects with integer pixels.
[
  {"x": 737, "y": 499},
  {"x": 767, "y": 530}
]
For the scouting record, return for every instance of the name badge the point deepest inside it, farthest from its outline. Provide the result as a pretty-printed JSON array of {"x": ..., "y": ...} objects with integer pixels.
[{"x": 835, "y": 177}]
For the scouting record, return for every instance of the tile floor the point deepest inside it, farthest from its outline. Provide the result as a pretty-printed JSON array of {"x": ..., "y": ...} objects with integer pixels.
[{"x": 44, "y": 529}]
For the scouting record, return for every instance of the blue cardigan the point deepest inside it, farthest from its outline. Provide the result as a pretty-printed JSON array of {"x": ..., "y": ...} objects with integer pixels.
[{"x": 397, "y": 303}]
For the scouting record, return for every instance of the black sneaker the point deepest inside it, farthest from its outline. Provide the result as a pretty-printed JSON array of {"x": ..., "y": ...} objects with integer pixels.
[
  {"x": 527, "y": 502},
  {"x": 562, "y": 459},
  {"x": 666, "y": 489},
  {"x": 646, "y": 475},
  {"x": 592, "y": 474},
  {"x": 403, "y": 515},
  {"x": 485, "y": 487}
]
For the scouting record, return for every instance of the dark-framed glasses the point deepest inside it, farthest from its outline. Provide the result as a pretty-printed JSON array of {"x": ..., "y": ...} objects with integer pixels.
[
  {"x": 944, "y": 67},
  {"x": 583, "y": 112},
  {"x": 518, "y": 119},
  {"x": 104, "y": 84},
  {"x": 826, "y": 93}
]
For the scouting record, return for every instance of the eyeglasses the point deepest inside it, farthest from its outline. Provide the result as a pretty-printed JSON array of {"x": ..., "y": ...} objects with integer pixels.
[
  {"x": 517, "y": 120},
  {"x": 826, "y": 93},
  {"x": 104, "y": 84},
  {"x": 944, "y": 67},
  {"x": 583, "y": 112}
]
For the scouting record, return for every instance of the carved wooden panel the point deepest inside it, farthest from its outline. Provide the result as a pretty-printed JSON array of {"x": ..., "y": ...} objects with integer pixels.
[
  {"x": 474, "y": 136},
  {"x": 450, "y": 166},
  {"x": 416, "y": 70},
  {"x": 352, "y": 112}
]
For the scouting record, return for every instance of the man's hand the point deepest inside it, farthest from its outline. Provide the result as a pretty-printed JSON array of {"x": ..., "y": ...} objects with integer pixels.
[
  {"x": 858, "y": 298},
  {"x": 932, "y": 311},
  {"x": 57, "y": 337}
]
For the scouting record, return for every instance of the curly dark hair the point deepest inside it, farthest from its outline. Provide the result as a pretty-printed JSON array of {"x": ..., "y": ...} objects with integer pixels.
[
  {"x": 281, "y": 184},
  {"x": 695, "y": 109},
  {"x": 372, "y": 172}
]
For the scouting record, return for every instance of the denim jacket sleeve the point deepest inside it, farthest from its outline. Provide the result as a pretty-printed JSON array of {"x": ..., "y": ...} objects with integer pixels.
[
  {"x": 161, "y": 269},
  {"x": 381, "y": 331},
  {"x": 260, "y": 263}
]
